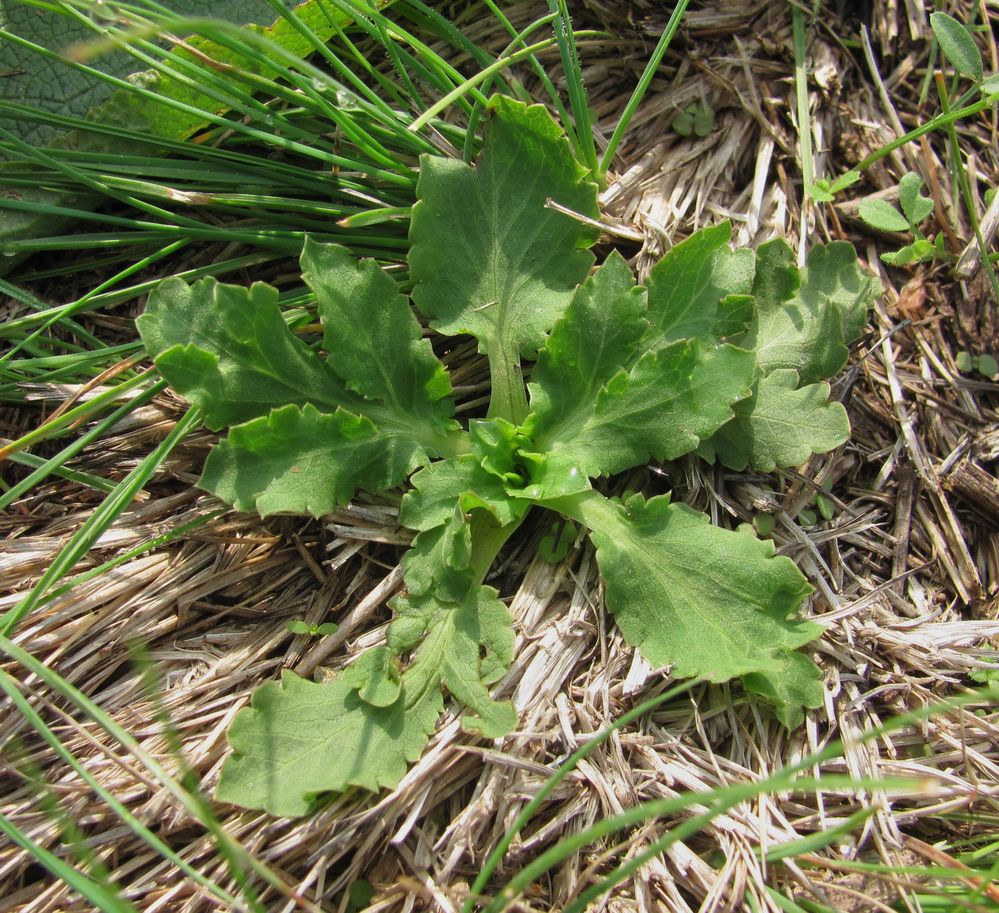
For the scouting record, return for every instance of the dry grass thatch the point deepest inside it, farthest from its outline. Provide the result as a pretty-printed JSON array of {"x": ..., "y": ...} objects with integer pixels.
[{"x": 906, "y": 572}]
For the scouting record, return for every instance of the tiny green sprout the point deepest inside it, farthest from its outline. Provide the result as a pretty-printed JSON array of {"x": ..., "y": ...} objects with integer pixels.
[
  {"x": 298, "y": 626},
  {"x": 988, "y": 677},
  {"x": 883, "y": 216},
  {"x": 807, "y": 517},
  {"x": 555, "y": 544},
  {"x": 359, "y": 895},
  {"x": 824, "y": 504},
  {"x": 697, "y": 118},
  {"x": 824, "y": 190},
  {"x": 764, "y": 525},
  {"x": 985, "y": 365}
]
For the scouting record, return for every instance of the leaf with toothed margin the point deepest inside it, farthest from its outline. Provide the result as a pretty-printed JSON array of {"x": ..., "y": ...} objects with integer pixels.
[
  {"x": 805, "y": 320},
  {"x": 307, "y": 433},
  {"x": 489, "y": 257},
  {"x": 704, "y": 600},
  {"x": 300, "y": 739},
  {"x": 229, "y": 351},
  {"x": 465, "y": 647},
  {"x": 375, "y": 342},
  {"x": 301, "y": 460},
  {"x": 462, "y": 480},
  {"x": 593, "y": 341},
  {"x": 700, "y": 289},
  {"x": 779, "y": 425},
  {"x": 662, "y": 408}
]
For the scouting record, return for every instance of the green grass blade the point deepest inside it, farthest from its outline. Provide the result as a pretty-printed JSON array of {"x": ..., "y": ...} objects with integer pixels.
[
  {"x": 581, "y": 130},
  {"x": 137, "y": 827},
  {"x": 90, "y": 890},
  {"x": 98, "y": 522},
  {"x": 643, "y": 84}
]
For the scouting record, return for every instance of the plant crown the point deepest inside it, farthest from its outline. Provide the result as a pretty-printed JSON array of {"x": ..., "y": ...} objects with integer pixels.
[{"x": 722, "y": 353}]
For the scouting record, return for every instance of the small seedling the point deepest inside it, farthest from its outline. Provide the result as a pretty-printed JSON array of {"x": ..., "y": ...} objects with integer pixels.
[
  {"x": 983, "y": 364},
  {"x": 883, "y": 216},
  {"x": 722, "y": 353},
  {"x": 298, "y": 626},
  {"x": 825, "y": 190},
  {"x": 359, "y": 895},
  {"x": 764, "y": 525},
  {"x": 697, "y": 118}
]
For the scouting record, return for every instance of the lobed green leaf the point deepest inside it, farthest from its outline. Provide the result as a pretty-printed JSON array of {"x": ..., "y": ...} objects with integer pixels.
[
  {"x": 595, "y": 338},
  {"x": 805, "y": 321},
  {"x": 700, "y": 289},
  {"x": 300, "y": 739},
  {"x": 915, "y": 206},
  {"x": 780, "y": 424},
  {"x": 438, "y": 487},
  {"x": 880, "y": 214},
  {"x": 467, "y": 646},
  {"x": 488, "y": 256},
  {"x": 662, "y": 408},
  {"x": 373, "y": 337},
  {"x": 300, "y": 460},
  {"x": 229, "y": 351},
  {"x": 706, "y": 601}
]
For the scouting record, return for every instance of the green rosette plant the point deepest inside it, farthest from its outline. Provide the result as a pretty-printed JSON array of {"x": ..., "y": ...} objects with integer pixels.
[{"x": 723, "y": 353}]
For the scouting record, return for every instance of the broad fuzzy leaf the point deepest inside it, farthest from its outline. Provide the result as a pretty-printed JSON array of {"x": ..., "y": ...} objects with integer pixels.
[
  {"x": 664, "y": 407},
  {"x": 437, "y": 565},
  {"x": 375, "y": 676},
  {"x": 300, "y": 460},
  {"x": 779, "y": 425},
  {"x": 229, "y": 351},
  {"x": 700, "y": 289},
  {"x": 806, "y": 324},
  {"x": 488, "y": 256},
  {"x": 707, "y": 601},
  {"x": 300, "y": 739},
  {"x": 374, "y": 340}
]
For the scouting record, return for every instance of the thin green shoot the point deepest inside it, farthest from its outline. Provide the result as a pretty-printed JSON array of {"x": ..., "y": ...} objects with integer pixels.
[
  {"x": 718, "y": 801},
  {"x": 518, "y": 41},
  {"x": 804, "y": 120},
  {"x": 55, "y": 464},
  {"x": 495, "y": 858},
  {"x": 179, "y": 532},
  {"x": 98, "y": 522},
  {"x": 237, "y": 859},
  {"x": 70, "y": 417},
  {"x": 87, "y": 479},
  {"x": 10, "y": 686},
  {"x": 93, "y": 891},
  {"x": 580, "y": 129},
  {"x": 961, "y": 175},
  {"x": 641, "y": 88},
  {"x": 484, "y": 75},
  {"x": 140, "y": 265}
]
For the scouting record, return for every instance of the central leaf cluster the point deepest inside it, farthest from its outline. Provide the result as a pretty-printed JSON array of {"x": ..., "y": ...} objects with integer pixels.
[{"x": 721, "y": 353}]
